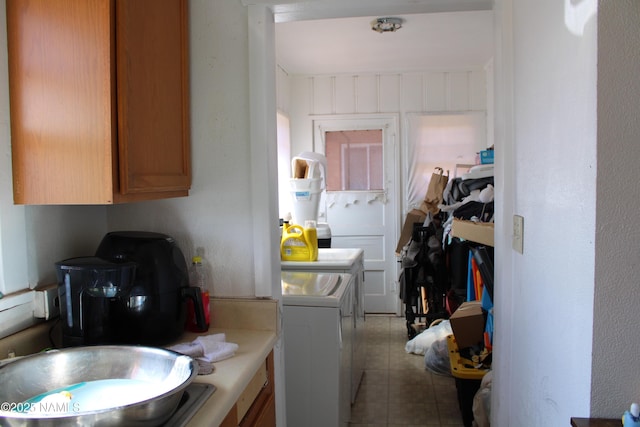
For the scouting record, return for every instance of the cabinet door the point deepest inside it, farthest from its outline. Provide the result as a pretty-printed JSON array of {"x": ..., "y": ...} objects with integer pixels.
[
  {"x": 153, "y": 96},
  {"x": 99, "y": 96},
  {"x": 262, "y": 412},
  {"x": 61, "y": 97}
]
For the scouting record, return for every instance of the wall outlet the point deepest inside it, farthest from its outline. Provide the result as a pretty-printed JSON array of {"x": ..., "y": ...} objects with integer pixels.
[
  {"x": 518, "y": 233},
  {"x": 46, "y": 304}
]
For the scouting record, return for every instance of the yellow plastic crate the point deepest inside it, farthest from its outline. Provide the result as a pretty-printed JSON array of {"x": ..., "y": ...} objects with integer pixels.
[{"x": 460, "y": 367}]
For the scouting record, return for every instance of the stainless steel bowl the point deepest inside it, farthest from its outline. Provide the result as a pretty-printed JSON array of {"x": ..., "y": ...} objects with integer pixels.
[{"x": 166, "y": 372}]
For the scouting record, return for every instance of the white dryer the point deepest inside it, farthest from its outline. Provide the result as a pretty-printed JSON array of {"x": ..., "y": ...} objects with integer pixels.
[
  {"x": 318, "y": 324},
  {"x": 344, "y": 260}
]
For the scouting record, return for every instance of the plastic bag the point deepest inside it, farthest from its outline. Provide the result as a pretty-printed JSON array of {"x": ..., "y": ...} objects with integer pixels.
[
  {"x": 482, "y": 402},
  {"x": 421, "y": 342},
  {"x": 436, "y": 358}
]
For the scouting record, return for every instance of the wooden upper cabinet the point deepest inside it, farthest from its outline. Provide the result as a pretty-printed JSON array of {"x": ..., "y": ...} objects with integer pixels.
[{"x": 99, "y": 97}]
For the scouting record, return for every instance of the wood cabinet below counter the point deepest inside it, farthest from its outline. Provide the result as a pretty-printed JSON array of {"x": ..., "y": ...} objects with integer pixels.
[
  {"x": 99, "y": 100},
  {"x": 256, "y": 406}
]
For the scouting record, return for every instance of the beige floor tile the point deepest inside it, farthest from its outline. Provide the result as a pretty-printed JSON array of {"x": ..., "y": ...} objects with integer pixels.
[
  {"x": 407, "y": 361},
  {"x": 375, "y": 376},
  {"x": 375, "y": 349},
  {"x": 374, "y": 393},
  {"x": 397, "y": 390},
  {"x": 369, "y": 413},
  {"x": 377, "y": 361},
  {"x": 410, "y": 377},
  {"x": 412, "y": 425},
  {"x": 412, "y": 393},
  {"x": 450, "y": 414},
  {"x": 414, "y": 413}
]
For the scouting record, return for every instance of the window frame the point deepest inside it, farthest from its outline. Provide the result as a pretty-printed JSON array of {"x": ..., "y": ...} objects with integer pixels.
[{"x": 348, "y": 122}]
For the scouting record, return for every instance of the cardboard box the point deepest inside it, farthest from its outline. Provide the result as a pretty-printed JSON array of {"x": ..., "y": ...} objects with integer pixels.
[
  {"x": 301, "y": 169},
  {"x": 467, "y": 324},
  {"x": 479, "y": 232},
  {"x": 414, "y": 216}
]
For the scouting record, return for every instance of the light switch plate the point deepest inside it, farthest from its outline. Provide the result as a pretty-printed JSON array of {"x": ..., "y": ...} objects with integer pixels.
[{"x": 518, "y": 233}]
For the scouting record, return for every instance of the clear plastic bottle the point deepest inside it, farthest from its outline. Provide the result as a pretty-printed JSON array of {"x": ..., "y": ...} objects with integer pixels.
[
  {"x": 198, "y": 277},
  {"x": 197, "y": 273}
]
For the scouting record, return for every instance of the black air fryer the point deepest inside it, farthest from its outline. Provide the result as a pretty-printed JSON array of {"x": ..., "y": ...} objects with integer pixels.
[
  {"x": 146, "y": 308},
  {"x": 155, "y": 309}
]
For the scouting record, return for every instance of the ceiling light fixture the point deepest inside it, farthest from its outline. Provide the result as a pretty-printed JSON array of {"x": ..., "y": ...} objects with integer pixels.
[{"x": 385, "y": 25}]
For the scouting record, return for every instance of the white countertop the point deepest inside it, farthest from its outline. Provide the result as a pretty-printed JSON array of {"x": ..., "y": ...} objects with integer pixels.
[
  {"x": 250, "y": 323},
  {"x": 232, "y": 375}
]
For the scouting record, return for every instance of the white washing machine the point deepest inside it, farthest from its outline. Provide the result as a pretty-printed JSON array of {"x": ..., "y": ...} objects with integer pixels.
[
  {"x": 318, "y": 324},
  {"x": 344, "y": 260}
]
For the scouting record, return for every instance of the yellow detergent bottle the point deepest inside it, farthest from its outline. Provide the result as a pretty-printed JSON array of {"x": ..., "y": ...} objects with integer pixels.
[{"x": 299, "y": 243}]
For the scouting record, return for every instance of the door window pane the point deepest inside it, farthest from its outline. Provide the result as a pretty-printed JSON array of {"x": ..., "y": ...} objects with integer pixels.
[{"x": 354, "y": 160}]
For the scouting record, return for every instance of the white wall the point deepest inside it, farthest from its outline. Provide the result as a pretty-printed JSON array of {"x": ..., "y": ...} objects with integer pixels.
[
  {"x": 546, "y": 166},
  {"x": 567, "y": 137},
  {"x": 218, "y": 215},
  {"x": 283, "y": 91},
  {"x": 615, "y": 380},
  {"x": 432, "y": 91},
  {"x": 367, "y": 94},
  {"x": 229, "y": 209}
]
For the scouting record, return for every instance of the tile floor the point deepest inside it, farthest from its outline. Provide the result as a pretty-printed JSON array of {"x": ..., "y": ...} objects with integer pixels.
[{"x": 396, "y": 389}]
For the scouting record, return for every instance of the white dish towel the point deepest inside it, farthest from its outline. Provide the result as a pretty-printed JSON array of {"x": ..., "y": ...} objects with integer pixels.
[{"x": 207, "y": 349}]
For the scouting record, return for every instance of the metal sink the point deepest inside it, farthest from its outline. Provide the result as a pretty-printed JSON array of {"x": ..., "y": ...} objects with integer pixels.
[{"x": 97, "y": 385}]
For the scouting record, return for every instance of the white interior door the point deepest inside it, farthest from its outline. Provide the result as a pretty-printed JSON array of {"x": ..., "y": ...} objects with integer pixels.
[{"x": 367, "y": 217}]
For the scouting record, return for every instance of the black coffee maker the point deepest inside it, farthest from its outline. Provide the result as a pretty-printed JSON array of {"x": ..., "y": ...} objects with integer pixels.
[
  {"x": 89, "y": 289},
  {"x": 133, "y": 291}
]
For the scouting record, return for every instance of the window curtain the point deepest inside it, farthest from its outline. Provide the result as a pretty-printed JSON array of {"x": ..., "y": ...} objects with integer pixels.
[{"x": 449, "y": 141}]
